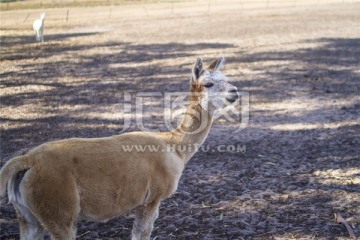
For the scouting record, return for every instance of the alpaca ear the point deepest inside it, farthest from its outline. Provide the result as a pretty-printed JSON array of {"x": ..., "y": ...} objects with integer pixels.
[
  {"x": 216, "y": 64},
  {"x": 197, "y": 70}
]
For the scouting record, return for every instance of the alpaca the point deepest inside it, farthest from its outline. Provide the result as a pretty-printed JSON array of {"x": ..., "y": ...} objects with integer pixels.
[
  {"x": 38, "y": 27},
  {"x": 57, "y": 183}
]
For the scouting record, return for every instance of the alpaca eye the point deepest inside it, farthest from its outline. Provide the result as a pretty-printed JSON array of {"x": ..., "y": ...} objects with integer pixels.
[{"x": 209, "y": 85}]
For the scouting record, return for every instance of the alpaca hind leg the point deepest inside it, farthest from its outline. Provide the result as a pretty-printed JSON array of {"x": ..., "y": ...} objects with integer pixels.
[
  {"x": 56, "y": 205},
  {"x": 59, "y": 221},
  {"x": 30, "y": 227},
  {"x": 62, "y": 232},
  {"x": 145, "y": 217}
]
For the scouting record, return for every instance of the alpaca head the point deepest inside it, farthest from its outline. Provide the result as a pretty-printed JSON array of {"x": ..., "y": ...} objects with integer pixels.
[
  {"x": 42, "y": 16},
  {"x": 210, "y": 87}
]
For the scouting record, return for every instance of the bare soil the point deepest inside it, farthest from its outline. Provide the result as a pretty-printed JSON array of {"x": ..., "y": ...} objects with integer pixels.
[{"x": 298, "y": 62}]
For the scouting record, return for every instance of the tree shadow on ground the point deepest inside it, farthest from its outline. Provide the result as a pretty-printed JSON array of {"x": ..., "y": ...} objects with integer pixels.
[{"x": 330, "y": 68}]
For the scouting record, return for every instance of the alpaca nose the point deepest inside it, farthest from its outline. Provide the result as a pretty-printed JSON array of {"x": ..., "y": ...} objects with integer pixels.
[{"x": 233, "y": 95}]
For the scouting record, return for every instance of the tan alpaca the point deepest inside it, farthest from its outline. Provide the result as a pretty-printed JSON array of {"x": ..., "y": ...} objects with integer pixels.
[{"x": 57, "y": 183}]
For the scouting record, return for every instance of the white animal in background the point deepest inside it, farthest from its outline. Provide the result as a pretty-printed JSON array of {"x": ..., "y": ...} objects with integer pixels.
[{"x": 38, "y": 27}]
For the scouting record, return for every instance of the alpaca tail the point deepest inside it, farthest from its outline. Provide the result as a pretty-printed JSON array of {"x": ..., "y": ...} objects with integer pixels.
[{"x": 12, "y": 167}]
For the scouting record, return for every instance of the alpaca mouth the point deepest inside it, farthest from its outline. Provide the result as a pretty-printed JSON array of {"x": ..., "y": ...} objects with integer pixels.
[
  {"x": 233, "y": 96},
  {"x": 231, "y": 99}
]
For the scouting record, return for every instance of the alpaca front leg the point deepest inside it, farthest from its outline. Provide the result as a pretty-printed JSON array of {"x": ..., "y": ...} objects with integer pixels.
[{"x": 145, "y": 217}]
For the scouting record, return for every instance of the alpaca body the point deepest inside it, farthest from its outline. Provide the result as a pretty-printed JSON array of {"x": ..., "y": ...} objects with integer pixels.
[{"x": 97, "y": 171}]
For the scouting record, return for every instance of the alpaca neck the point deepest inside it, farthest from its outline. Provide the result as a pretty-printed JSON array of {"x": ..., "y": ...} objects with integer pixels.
[{"x": 192, "y": 131}]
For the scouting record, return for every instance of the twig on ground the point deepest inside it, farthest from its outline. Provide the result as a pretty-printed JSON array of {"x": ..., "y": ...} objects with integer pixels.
[
  {"x": 340, "y": 219},
  {"x": 82, "y": 234}
]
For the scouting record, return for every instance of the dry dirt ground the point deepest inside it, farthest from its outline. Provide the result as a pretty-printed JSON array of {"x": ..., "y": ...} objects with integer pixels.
[{"x": 298, "y": 62}]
